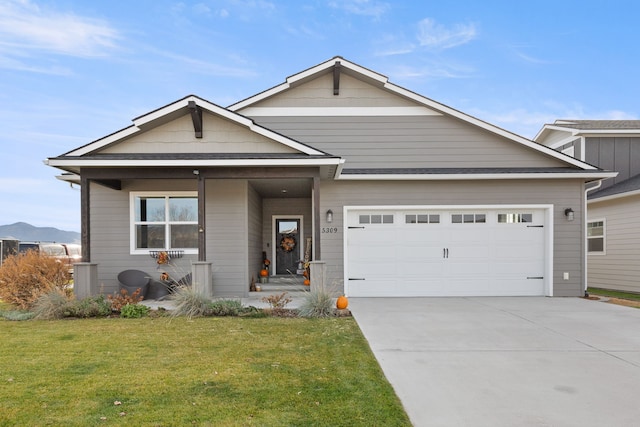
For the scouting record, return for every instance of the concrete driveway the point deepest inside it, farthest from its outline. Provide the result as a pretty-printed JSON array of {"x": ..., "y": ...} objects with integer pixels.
[{"x": 507, "y": 361}]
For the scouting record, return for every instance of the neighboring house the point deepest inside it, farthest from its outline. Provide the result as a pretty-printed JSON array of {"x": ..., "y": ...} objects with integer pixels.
[
  {"x": 613, "y": 225},
  {"x": 397, "y": 194}
]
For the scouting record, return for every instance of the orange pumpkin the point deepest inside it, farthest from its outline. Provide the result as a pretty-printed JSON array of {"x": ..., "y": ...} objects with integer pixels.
[
  {"x": 307, "y": 282},
  {"x": 264, "y": 272},
  {"x": 342, "y": 302}
]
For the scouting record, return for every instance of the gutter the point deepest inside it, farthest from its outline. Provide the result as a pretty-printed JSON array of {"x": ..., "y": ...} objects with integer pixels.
[{"x": 584, "y": 228}]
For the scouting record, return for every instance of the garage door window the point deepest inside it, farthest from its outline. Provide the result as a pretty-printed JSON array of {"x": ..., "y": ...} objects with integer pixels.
[
  {"x": 422, "y": 219},
  {"x": 514, "y": 218},
  {"x": 376, "y": 219},
  {"x": 595, "y": 237},
  {"x": 468, "y": 218}
]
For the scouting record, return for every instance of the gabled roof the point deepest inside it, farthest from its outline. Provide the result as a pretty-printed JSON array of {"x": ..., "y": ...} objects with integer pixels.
[
  {"x": 382, "y": 81},
  {"x": 178, "y": 108},
  {"x": 576, "y": 128}
]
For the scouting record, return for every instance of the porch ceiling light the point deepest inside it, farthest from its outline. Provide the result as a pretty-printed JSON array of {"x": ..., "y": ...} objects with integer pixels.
[
  {"x": 569, "y": 214},
  {"x": 329, "y": 216}
]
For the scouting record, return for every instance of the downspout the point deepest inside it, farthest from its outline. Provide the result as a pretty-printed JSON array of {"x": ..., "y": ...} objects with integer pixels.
[{"x": 584, "y": 228}]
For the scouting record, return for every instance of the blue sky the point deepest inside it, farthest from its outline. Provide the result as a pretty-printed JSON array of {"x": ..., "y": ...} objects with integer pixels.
[{"x": 72, "y": 71}]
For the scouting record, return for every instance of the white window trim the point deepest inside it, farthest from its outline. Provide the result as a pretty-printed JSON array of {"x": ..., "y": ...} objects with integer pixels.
[
  {"x": 132, "y": 219},
  {"x": 604, "y": 236}
]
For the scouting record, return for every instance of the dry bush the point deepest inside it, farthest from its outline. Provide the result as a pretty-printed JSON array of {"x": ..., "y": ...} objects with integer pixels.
[
  {"x": 24, "y": 277},
  {"x": 118, "y": 301}
]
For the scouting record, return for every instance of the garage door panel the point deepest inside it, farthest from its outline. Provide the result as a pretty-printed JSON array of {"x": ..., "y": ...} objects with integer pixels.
[{"x": 447, "y": 258}]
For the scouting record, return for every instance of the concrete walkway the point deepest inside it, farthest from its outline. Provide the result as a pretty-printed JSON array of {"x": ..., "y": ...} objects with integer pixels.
[{"x": 507, "y": 361}]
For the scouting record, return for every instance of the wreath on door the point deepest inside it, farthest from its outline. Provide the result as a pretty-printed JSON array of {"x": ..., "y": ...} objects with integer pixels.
[{"x": 288, "y": 243}]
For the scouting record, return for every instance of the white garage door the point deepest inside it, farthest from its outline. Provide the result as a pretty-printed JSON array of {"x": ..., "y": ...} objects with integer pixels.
[{"x": 423, "y": 252}]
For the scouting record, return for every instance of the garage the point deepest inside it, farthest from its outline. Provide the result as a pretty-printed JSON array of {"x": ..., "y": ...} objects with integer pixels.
[{"x": 448, "y": 251}]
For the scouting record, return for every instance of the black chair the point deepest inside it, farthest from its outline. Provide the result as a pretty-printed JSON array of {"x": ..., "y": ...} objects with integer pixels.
[{"x": 132, "y": 280}]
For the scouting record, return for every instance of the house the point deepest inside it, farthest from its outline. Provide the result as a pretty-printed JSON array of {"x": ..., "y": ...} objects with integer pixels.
[
  {"x": 613, "y": 223},
  {"x": 389, "y": 193}
]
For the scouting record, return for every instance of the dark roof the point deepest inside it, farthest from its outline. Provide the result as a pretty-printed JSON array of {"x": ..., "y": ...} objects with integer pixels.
[
  {"x": 630, "y": 184},
  {"x": 598, "y": 124},
  {"x": 442, "y": 171}
]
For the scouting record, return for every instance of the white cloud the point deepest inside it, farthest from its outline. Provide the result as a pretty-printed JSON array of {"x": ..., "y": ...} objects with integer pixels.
[
  {"x": 362, "y": 7},
  {"x": 437, "y": 36},
  {"x": 25, "y": 27}
]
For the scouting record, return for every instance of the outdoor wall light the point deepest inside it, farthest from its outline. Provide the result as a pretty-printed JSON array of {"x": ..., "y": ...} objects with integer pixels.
[
  {"x": 329, "y": 216},
  {"x": 569, "y": 214}
]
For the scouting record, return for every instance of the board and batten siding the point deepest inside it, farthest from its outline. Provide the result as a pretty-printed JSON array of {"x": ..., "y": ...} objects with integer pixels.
[
  {"x": 618, "y": 268},
  {"x": 568, "y": 244},
  {"x": 619, "y": 154},
  {"x": 407, "y": 142},
  {"x": 218, "y": 136},
  {"x": 110, "y": 232}
]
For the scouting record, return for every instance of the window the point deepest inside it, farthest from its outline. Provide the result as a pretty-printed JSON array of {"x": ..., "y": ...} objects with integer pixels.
[
  {"x": 468, "y": 218},
  {"x": 514, "y": 218},
  {"x": 422, "y": 218},
  {"x": 595, "y": 236},
  {"x": 376, "y": 219},
  {"x": 164, "y": 221}
]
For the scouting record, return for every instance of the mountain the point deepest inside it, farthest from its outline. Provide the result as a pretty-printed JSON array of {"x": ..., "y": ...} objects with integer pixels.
[{"x": 29, "y": 233}]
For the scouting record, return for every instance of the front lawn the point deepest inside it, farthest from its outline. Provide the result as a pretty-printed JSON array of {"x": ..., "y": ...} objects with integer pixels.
[{"x": 203, "y": 372}]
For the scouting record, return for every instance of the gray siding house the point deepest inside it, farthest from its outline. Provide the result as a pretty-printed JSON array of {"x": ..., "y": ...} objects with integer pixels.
[
  {"x": 396, "y": 194},
  {"x": 613, "y": 223}
]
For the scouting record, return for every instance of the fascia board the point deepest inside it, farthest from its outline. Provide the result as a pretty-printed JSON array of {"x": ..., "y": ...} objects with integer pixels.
[
  {"x": 550, "y": 128},
  {"x": 306, "y": 74},
  {"x": 78, "y": 163},
  {"x": 612, "y": 132},
  {"x": 460, "y": 177},
  {"x": 259, "y": 97},
  {"x": 183, "y": 103},
  {"x": 103, "y": 142},
  {"x": 614, "y": 196}
]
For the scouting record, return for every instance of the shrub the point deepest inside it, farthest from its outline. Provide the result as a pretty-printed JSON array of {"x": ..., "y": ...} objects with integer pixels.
[
  {"x": 317, "y": 303},
  {"x": 118, "y": 301},
  {"x": 97, "y": 306},
  {"x": 24, "y": 277},
  {"x": 190, "y": 303},
  {"x": 226, "y": 307},
  {"x": 17, "y": 314},
  {"x": 52, "y": 305},
  {"x": 134, "y": 311}
]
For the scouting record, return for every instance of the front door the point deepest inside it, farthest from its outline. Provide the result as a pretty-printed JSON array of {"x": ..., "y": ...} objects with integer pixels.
[{"x": 287, "y": 244}]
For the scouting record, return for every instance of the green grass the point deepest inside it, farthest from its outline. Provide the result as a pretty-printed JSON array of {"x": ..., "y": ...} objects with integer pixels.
[
  {"x": 203, "y": 372},
  {"x": 614, "y": 294}
]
